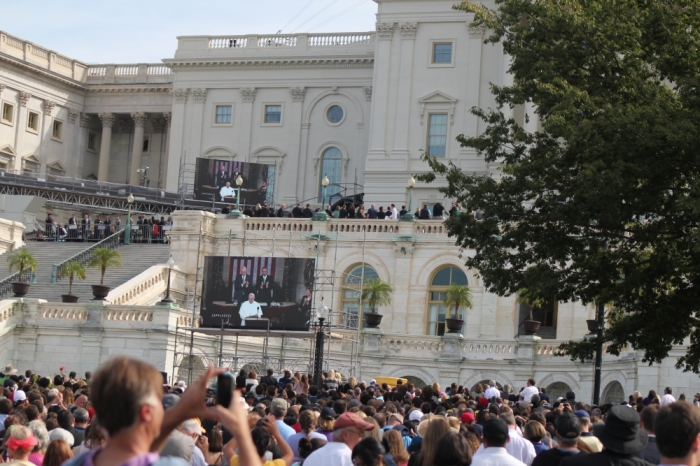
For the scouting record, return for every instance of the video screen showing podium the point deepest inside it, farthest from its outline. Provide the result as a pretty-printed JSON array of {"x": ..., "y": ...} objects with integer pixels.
[
  {"x": 211, "y": 176},
  {"x": 254, "y": 292}
]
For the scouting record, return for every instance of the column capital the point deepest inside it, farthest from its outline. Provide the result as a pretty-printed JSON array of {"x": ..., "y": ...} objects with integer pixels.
[
  {"x": 85, "y": 120},
  {"x": 298, "y": 93},
  {"x": 199, "y": 95},
  {"x": 24, "y": 97},
  {"x": 385, "y": 30},
  {"x": 180, "y": 95},
  {"x": 107, "y": 119},
  {"x": 408, "y": 30},
  {"x": 73, "y": 115},
  {"x": 49, "y": 106},
  {"x": 248, "y": 94},
  {"x": 139, "y": 118},
  {"x": 168, "y": 116},
  {"x": 368, "y": 93}
]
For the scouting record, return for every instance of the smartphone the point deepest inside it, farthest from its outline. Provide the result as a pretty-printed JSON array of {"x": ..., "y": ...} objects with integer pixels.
[{"x": 224, "y": 390}]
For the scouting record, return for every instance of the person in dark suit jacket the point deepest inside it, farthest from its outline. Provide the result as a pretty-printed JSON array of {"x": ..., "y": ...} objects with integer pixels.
[
  {"x": 263, "y": 285},
  {"x": 221, "y": 177},
  {"x": 403, "y": 211},
  {"x": 234, "y": 176},
  {"x": 282, "y": 211},
  {"x": 73, "y": 232},
  {"x": 297, "y": 212},
  {"x": 372, "y": 212},
  {"x": 242, "y": 285},
  {"x": 269, "y": 380},
  {"x": 425, "y": 213},
  {"x": 453, "y": 209},
  {"x": 650, "y": 452},
  {"x": 226, "y": 209},
  {"x": 85, "y": 224},
  {"x": 307, "y": 213},
  {"x": 305, "y": 303},
  {"x": 438, "y": 210}
]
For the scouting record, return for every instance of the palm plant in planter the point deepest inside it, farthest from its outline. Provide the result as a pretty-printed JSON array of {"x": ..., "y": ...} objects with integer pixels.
[
  {"x": 530, "y": 298},
  {"x": 375, "y": 292},
  {"x": 456, "y": 296},
  {"x": 21, "y": 260},
  {"x": 72, "y": 270},
  {"x": 103, "y": 259}
]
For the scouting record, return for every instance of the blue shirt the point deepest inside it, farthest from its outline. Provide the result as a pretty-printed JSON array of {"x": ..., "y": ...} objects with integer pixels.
[{"x": 285, "y": 430}]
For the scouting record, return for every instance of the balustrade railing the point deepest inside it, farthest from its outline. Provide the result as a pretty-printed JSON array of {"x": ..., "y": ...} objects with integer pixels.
[
  {"x": 111, "y": 242},
  {"x": 6, "y": 284},
  {"x": 228, "y": 42},
  {"x": 97, "y": 71},
  {"x": 328, "y": 40},
  {"x": 126, "y": 70},
  {"x": 277, "y": 41}
]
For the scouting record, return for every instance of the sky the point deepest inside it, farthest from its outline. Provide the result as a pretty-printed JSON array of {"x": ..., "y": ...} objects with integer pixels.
[{"x": 146, "y": 31}]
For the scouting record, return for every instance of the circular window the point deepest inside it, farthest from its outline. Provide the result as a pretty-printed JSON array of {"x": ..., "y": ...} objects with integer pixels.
[{"x": 335, "y": 114}]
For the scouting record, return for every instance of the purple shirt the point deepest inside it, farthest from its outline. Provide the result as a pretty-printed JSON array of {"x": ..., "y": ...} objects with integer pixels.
[{"x": 142, "y": 460}]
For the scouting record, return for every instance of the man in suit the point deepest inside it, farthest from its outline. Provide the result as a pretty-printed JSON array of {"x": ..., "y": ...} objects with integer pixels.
[
  {"x": 403, "y": 211},
  {"x": 85, "y": 223},
  {"x": 73, "y": 232},
  {"x": 296, "y": 211},
  {"x": 221, "y": 177},
  {"x": 242, "y": 285},
  {"x": 282, "y": 211},
  {"x": 647, "y": 419},
  {"x": 108, "y": 225},
  {"x": 305, "y": 303},
  {"x": 263, "y": 286},
  {"x": 307, "y": 213},
  {"x": 372, "y": 212},
  {"x": 234, "y": 176},
  {"x": 425, "y": 213}
]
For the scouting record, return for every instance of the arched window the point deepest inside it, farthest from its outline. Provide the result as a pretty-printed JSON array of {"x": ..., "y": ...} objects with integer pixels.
[
  {"x": 352, "y": 283},
  {"x": 436, "y": 309},
  {"x": 331, "y": 166}
]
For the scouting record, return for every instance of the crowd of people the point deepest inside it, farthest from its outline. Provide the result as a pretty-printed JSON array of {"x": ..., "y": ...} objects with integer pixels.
[
  {"x": 144, "y": 230},
  {"x": 126, "y": 415}
]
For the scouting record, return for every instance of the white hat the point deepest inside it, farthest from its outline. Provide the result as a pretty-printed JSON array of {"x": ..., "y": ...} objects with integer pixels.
[
  {"x": 62, "y": 434},
  {"x": 20, "y": 395},
  {"x": 181, "y": 384},
  {"x": 415, "y": 415}
]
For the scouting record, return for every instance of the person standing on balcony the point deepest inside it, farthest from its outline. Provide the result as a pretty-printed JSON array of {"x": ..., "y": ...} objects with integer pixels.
[
  {"x": 72, "y": 232},
  {"x": 85, "y": 224},
  {"x": 108, "y": 225},
  {"x": 425, "y": 213}
]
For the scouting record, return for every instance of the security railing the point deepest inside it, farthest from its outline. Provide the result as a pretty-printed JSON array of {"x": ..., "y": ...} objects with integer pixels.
[
  {"x": 111, "y": 242},
  {"x": 6, "y": 284}
]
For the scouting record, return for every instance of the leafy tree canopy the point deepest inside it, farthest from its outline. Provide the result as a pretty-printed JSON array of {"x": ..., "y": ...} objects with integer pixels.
[{"x": 602, "y": 202}]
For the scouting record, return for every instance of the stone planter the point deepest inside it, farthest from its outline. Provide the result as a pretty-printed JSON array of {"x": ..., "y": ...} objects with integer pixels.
[
  {"x": 69, "y": 298},
  {"x": 531, "y": 327},
  {"x": 373, "y": 320},
  {"x": 454, "y": 325},
  {"x": 592, "y": 326},
  {"x": 100, "y": 292},
  {"x": 20, "y": 289}
]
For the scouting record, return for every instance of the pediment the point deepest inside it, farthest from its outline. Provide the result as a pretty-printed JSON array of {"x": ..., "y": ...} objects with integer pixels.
[
  {"x": 30, "y": 158},
  {"x": 56, "y": 165},
  {"x": 219, "y": 152},
  {"x": 7, "y": 149},
  {"x": 268, "y": 151},
  {"x": 437, "y": 97}
]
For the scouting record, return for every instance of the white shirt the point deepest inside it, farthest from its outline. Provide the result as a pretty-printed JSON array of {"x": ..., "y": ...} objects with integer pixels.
[
  {"x": 227, "y": 192},
  {"x": 518, "y": 447},
  {"x": 492, "y": 456},
  {"x": 491, "y": 392},
  {"x": 249, "y": 309},
  {"x": 198, "y": 458},
  {"x": 394, "y": 214},
  {"x": 333, "y": 453},
  {"x": 667, "y": 400},
  {"x": 293, "y": 442},
  {"x": 528, "y": 392}
]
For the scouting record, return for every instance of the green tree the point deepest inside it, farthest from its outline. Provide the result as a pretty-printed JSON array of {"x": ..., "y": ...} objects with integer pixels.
[
  {"x": 376, "y": 292},
  {"x": 457, "y": 296},
  {"x": 103, "y": 259},
  {"x": 602, "y": 201},
  {"x": 21, "y": 260},
  {"x": 72, "y": 270}
]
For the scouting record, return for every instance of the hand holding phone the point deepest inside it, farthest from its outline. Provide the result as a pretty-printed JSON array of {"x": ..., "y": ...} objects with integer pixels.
[{"x": 224, "y": 390}]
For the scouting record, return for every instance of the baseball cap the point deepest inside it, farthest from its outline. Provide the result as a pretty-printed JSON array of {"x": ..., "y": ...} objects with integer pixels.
[
  {"x": 496, "y": 431},
  {"x": 328, "y": 413},
  {"x": 169, "y": 400},
  {"x": 467, "y": 418},
  {"x": 279, "y": 403},
  {"x": 20, "y": 396},
  {"x": 354, "y": 403},
  {"x": 581, "y": 413},
  {"x": 397, "y": 416},
  {"x": 568, "y": 426},
  {"x": 352, "y": 420},
  {"x": 415, "y": 415},
  {"x": 570, "y": 396}
]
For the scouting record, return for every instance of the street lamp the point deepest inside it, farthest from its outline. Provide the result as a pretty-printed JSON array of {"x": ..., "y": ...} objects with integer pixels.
[
  {"x": 325, "y": 182},
  {"x": 322, "y": 215},
  {"x": 408, "y": 216},
  {"x": 321, "y": 313},
  {"x": 127, "y": 228},
  {"x": 237, "y": 213},
  {"x": 167, "y": 300}
]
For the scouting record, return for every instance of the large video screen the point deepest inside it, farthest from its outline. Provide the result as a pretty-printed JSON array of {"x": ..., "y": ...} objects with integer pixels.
[
  {"x": 212, "y": 176},
  {"x": 247, "y": 292}
]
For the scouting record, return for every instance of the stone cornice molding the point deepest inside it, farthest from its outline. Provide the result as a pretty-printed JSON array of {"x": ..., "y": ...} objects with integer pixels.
[
  {"x": 73, "y": 115},
  {"x": 408, "y": 30},
  {"x": 368, "y": 93},
  {"x": 49, "y": 106},
  {"x": 24, "y": 97},
  {"x": 385, "y": 30},
  {"x": 139, "y": 118},
  {"x": 199, "y": 95},
  {"x": 298, "y": 93},
  {"x": 248, "y": 94},
  {"x": 180, "y": 95},
  {"x": 107, "y": 119},
  {"x": 44, "y": 72},
  {"x": 85, "y": 120},
  {"x": 274, "y": 63},
  {"x": 130, "y": 89}
]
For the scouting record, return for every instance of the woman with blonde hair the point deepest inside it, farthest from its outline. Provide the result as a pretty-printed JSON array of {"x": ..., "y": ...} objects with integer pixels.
[
  {"x": 436, "y": 389},
  {"x": 326, "y": 422},
  {"x": 376, "y": 433},
  {"x": 302, "y": 386},
  {"x": 352, "y": 382},
  {"x": 330, "y": 380},
  {"x": 57, "y": 453},
  {"x": 393, "y": 444}
]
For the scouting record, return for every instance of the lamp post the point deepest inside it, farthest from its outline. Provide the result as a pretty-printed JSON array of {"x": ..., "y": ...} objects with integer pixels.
[
  {"x": 322, "y": 215},
  {"x": 408, "y": 216},
  {"x": 321, "y": 314},
  {"x": 325, "y": 182},
  {"x": 127, "y": 228},
  {"x": 237, "y": 213},
  {"x": 167, "y": 300},
  {"x": 599, "y": 354}
]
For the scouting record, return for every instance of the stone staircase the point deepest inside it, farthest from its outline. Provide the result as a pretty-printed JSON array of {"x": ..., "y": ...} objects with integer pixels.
[{"x": 135, "y": 259}]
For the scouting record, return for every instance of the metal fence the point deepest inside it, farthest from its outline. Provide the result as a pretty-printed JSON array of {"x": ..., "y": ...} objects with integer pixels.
[
  {"x": 95, "y": 233},
  {"x": 111, "y": 242},
  {"x": 6, "y": 284}
]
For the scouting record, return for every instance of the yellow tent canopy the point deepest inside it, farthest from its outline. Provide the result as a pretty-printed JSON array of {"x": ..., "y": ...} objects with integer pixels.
[{"x": 391, "y": 381}]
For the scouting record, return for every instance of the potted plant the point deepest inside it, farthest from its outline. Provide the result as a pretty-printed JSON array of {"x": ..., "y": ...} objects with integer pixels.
[
  {"x": 456, "y": 296},
  {"x": 21, "y": 260},
  {"x": 375, "y": 292},
  {"x": 529, "y": 298},
  {"x": 72, "y": 270},
  {"x": 103, "y": 258}
]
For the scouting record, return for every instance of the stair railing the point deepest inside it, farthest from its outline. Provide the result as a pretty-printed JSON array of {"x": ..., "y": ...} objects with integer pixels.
[
  {"x": 6, "y": 284},
  {"x": 111, "y": 242}
]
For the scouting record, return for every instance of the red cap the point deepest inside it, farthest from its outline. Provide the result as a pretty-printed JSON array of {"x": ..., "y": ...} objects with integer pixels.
[
  {"x": 483, "y": 402},
  {"x": 352, "y": 420},
  {"x": 467, "y": 418}
]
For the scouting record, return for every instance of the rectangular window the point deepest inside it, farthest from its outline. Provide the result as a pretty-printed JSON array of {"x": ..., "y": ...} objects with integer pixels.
[
  {"x": 223, "y": 114},
  {"x": 442, "y": 53},
  {"x": 33, "y": 121},
  {"x": 8, "y": 112},
  {"x": 437, "y": 134},
  {"x": 273, "y": 113},
  {"x": 92, "y": 141},
  {"x": 57, "y": 130},
  {"x": 146, "y": 144}
]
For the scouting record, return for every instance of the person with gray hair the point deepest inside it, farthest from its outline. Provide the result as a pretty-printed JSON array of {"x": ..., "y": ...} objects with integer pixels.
[
  {"x": 81, "y": 417},
  {"x": 193, "y": 429},
  {"x": 492, "y": 391},
  {"x": 38, "y": 428}
]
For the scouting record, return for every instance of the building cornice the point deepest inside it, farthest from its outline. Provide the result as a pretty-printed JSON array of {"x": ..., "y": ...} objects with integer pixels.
[
  {"x": 142, "y": 89},
  {"x": 273, "y": 63},
  {"x": 41, "y": 71}
]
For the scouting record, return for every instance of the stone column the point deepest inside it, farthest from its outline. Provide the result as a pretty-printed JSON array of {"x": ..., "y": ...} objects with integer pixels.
[
  {"x": 245, "y": 128},
  {"x": 105, "y": 143},
  {"x": 403, "y": 104},
  {"x": 297, "y": 157},
  {"x": 163, "y": 169},
  {"x": 83, "y": 134},
  {"x": 199, "y": 97},
  {"x": 377, "y": 136},
  {"x": 176, "y": 139},
  {"x": 140, "y": 119},
  {"x": 45, "y": 133},
  {"x": 20, "y": 128}
]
